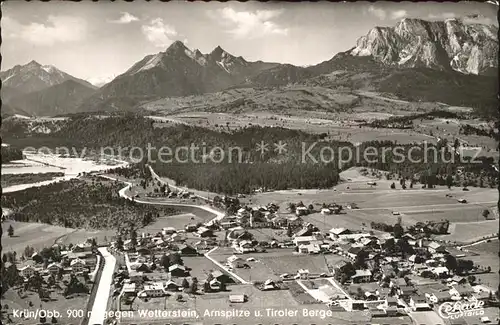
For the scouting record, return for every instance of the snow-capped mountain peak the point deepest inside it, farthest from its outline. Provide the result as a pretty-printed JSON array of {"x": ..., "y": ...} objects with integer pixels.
[{"x": 33, "y": 77}]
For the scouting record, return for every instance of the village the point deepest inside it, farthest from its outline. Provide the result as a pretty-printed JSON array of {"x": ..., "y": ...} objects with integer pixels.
[{"x": 254, "y": 257}]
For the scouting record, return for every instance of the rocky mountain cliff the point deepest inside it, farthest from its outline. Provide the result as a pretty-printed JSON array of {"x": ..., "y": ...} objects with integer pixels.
[
  {"x": 178, "y": 71},
  {"x": 463, "y": 45},
  {"x": 34, "y": 76},
  {"x": 35, "y": 89}
]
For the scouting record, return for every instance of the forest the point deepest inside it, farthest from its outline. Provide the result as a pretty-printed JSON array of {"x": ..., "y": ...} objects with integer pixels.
[{"x": 81, "y": 204}]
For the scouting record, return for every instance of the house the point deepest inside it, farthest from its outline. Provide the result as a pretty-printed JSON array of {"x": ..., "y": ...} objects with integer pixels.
[
  {"x": 279, "y": 222},
  {"x": 434, "y": 247},
  {"x": 129, "y": 289},
  {"x": 135, "y": 276},
  {"x": 221, "y": 277},
  {"x": 342, "y": 267},
  {"x": 310, "y": 249},
  {"x": 153, "y": 290},
  {"x": 335, "y": 233},
  {"x": 353, "y": 252},
  {"x": 176, "y": 238},
  {"x": 168, "y": 231},
  {"x": 295, "y": 221},
  {"x": 187, "y": 250},
  {"x": 27, "y": 271},
  {"x": 419, "y": 268},
  {"x": 128, "y": 245},
  {"x": 306, "y": 240},
  {"x": 438, "y": 296},
  {"x": 462, "y": 290},
  {"x": 397, "y": 282},
  {"x": 204, "y": 232},
  {"x": 171, "y": 286},
  {"x": 361, "y": 276},
  {"x": 245, "y": 246},
  {"x": 457, "y": 279},
  {"x": 326, "y": 211},
  {"x": 440, "y": 271},
  {"x": 215, "y": 284},
  {"x": 304, "y": 232},
  {"x": 237, "y": 298},
  {"x": 406, "y": 291},
  {"x": 54, "y": 268},
  {"x": 301, "y": 211},
  {"x": 78, "y": 265},
  {"x": 302, "y": 274},
  {"x": 391, "y": 302},
  {"x": 177, "y": 270},
  {"x": 140, "y": 267},
  {"x": 419, "y": 303},
  {"x": 243, "y": 235},
  {"x": 269, "y": 285},
  {"x": 368, "y": 242},
  {"x": 84, "y": 247},
  {"x": 235, "y": 261}
]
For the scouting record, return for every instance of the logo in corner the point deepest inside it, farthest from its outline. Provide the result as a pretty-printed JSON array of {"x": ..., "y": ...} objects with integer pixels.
[{"x": 461, "y": 308}]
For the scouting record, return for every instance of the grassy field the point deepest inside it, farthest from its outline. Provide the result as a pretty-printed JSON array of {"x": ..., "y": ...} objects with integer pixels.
[
  {"x": 57, "y": 303},
  {"x": 292, "y": 263},
  {"x": 37, "y": 235},
  {"x": 491, "y": 247},
  {"x": 469, "y": 232}
]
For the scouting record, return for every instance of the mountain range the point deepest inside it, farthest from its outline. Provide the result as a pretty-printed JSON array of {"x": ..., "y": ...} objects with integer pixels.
[
  {"x": 456, "y": 54},
  {"x": 35, "y": 89}
]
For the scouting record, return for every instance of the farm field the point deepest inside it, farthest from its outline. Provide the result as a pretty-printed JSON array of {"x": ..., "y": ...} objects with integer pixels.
[
  {"x": 491, "y": 247},
  {"x": 468, "y": 232}
]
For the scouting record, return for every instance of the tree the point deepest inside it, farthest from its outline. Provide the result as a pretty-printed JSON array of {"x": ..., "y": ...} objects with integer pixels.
[
  {"x": 451, "y": 262},
  {"x": 4, "y": 258},
  {"x": 398, "y": 230},
  {"x": 119, "y": 243},
  {"x": 185, "y": 283},
  {"x": 449, "y": 181},
  {"x": 165, "y": 262},
  {"x": 10, "y": 231},
  {"x": 175, "y": 258},
  {"x": 486, "y": 213},
  {"x": 289, "y": 231},
  {"x": 206, "y": 287},
  {"x": 222, "y": 285},
  {"x": 393, "y": 185},
  {"x": 194, "y": 286}
]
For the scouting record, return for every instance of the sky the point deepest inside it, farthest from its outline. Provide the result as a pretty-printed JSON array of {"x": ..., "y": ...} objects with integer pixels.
[{"x": 99, "y": 40}]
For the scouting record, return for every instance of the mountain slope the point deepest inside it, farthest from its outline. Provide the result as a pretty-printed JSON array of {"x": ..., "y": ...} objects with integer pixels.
[
  {"x": 34, "y": 76},
  {"x": 178, "y": 71},
  {"x": 459, "y": 44},
  {"x": 61, "y": 98}
]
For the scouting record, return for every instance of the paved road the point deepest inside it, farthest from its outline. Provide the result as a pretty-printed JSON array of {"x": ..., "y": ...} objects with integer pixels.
[
  {"x": 223, "y": 267},
  {"x": 219, "y": 215},
  {"x": 102, "y": 296},
  {"x": 426, "y": 318}
]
